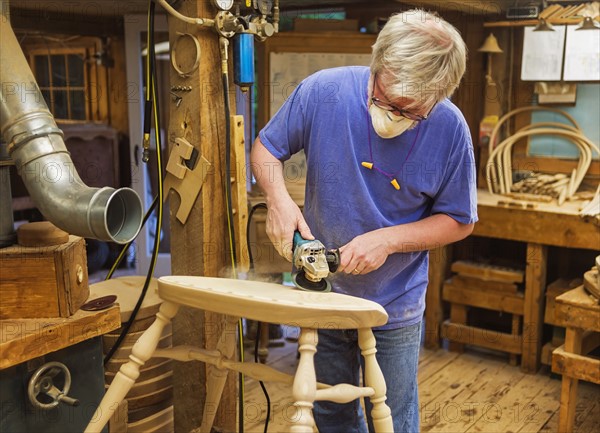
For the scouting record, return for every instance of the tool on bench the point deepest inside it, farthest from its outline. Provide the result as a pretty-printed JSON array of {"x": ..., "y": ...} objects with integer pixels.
[{"x": 313, "y": 263}]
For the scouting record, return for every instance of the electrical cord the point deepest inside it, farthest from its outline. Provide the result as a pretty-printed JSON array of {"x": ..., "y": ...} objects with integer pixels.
[
  {"x": 258, "y": 324},
  {"x": 151, "y": 95},
  {"x": 224, "y": 45},
  {"x": 262, "y": 385},
  {"x": 248, "y": 225},
  {"x": 227, "y": 176}
]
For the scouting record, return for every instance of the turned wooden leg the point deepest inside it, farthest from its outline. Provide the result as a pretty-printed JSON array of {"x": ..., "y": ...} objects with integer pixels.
[
  {"x": 263, "y": 343},
  {"x": 216, "y": 375},
  {"x": 381, "y": 414},
  {"x": 568, "y": 392},
  {"x": 128, "y": 373},
  {"x": 305, "y": 382}
]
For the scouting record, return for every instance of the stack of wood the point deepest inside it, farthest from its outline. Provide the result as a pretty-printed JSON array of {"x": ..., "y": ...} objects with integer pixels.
[
  {"x": 148, "y": 406},
  {"x": 541, "y": 187},
  {"x": 490, "y": 287},
  {"x": 557, "y": 11}
]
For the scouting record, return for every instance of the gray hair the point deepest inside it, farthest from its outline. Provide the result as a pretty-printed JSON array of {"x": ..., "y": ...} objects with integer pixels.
[{"x": 420, "y": 56}]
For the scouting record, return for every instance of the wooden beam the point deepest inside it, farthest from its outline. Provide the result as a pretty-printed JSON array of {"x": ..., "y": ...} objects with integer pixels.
[
  {"x": 575, "y": 366},
  {"x": 474, "y": 297},
  {"x": 481, "y": 337},
  {"x": 547, "y": 224},
  {"x": 74, "y": 21},
  {"x": 525, "y": 23},
  {"x": 439, "y": 266},
  {"x": 576, "y": 308},
  {"x": 25, "y": 339},
  {"x": 199, "y": 247},
  {"x": 533, "y": 316}
]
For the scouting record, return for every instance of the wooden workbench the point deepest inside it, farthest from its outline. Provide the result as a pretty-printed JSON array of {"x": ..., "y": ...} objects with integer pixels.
[
  {"x": 544, "y": 225},
  {"x": 25, "y": 339}
]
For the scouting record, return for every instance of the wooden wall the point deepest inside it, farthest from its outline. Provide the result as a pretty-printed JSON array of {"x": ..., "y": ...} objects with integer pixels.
[
  {"x": 49, "y": 30},
  {"x": 469, "y": 97}
]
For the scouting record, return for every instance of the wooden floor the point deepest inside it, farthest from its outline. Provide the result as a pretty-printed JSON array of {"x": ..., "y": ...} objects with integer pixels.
[{"x": 470, "y": 392}]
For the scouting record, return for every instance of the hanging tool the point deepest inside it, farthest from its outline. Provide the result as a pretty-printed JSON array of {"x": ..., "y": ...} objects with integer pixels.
[{"x": 313, "y": 263}]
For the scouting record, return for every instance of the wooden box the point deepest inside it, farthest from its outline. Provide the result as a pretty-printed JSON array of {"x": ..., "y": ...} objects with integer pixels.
[{"x": 38, "y": 282}]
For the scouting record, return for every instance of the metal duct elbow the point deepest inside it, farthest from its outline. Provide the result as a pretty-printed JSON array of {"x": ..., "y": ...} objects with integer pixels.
[{"x": 36, "y": 145}]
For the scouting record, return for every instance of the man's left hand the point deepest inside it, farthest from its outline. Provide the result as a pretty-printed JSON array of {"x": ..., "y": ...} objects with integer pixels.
[{"x": 365, "y": 253}]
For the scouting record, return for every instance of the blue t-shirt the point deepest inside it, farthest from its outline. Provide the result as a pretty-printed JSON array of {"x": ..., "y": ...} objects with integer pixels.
[{"x": 327, "y": 116}]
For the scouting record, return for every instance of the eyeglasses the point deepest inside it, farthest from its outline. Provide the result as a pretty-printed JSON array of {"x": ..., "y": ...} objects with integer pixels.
[{"x": 397, "y": 111}]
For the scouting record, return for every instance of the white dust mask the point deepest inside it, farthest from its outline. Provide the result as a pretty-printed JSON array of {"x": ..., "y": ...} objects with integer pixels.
[{"x": 386, "y": 124}]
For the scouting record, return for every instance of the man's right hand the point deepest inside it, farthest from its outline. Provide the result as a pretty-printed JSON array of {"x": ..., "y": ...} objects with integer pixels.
[
  {"x": 283, "y": 215},
  {"x": 283, "y": 219}
]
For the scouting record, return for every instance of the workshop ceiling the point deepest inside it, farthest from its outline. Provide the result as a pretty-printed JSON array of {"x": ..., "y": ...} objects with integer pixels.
[{"x": 120, "y": 7}]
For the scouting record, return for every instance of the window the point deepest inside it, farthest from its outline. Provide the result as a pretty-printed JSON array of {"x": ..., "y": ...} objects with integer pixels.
[{"x": 62, "y": 77}]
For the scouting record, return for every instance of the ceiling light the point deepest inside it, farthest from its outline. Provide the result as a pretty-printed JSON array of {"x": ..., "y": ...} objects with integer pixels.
[
  {"x": 543, "y": 26},
  {"x": 588, "y": 23}
]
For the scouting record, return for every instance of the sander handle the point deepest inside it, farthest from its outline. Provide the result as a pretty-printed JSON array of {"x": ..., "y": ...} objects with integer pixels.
[
  {"x": 333, "y": 259},
  {"x": 298, "y": 240}
]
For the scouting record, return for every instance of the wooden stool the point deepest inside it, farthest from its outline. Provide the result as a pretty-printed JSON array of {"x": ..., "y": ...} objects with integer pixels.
[
  {"x": 152, "y": 395},
  {"x": 269, "y": 303},
  {"x": 579, "y": 313}
]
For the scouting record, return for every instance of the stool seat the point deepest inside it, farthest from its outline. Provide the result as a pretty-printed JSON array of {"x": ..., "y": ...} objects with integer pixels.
[
  {"x": 272, "y": 303},
  {"x": 264, "y": 302}
]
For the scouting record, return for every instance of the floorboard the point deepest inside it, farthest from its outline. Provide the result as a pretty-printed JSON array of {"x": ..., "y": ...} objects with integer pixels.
[{"x": 471, "y": 392}]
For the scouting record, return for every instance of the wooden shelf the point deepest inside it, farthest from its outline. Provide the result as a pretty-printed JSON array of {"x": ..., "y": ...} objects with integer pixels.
[
  {"x": 525, "y": 23},
  {"x": 25, "y": 339}
]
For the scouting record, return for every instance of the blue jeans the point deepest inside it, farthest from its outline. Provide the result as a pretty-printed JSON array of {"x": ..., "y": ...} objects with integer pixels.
[{"x": 338, "y": 360}]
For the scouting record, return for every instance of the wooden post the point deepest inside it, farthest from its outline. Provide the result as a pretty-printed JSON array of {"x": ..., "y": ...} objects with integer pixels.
[
  {"x": 439, "y": 263},
  {"x": 533, "y": 318},
  {"x": 458, "y": 315},
  {"x": 200, "y": 247},
  {"x": 568, "y": 391}
]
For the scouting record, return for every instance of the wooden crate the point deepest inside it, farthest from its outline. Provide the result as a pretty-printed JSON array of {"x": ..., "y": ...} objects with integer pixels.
[
  {"x": 40, "y": 282},
  {"x": 487, "y": 287}
]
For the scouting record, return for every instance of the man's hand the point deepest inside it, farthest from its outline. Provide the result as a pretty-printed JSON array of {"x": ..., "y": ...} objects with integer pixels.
[
  {"x": 283, "y": 218},
  {"x": 365, "y": 253},
  {"x": 283, "y": 215}
]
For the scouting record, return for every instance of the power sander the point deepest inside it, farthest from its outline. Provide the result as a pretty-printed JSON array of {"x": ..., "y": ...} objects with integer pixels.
[{"x": 313, "y": 263}]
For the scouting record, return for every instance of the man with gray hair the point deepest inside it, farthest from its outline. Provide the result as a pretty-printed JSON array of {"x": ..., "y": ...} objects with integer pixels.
[{"x": 390, "y": 175}]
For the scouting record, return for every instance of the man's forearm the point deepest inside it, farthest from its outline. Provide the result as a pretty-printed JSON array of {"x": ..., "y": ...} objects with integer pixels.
[
  {"x": 268, "y": 172},
  {"x": 431, "y": 232}
]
